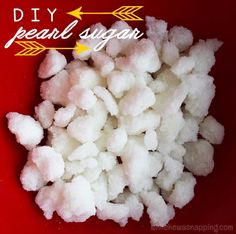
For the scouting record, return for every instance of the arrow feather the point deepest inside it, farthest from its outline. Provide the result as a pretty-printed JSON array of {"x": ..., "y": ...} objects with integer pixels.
[{"x": 127, "y": 13}]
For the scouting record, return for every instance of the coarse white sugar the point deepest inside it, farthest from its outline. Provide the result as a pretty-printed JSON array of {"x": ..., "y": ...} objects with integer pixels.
[
  {"x": 116, "y": 212},
  {"x": 52, "y": 64},
  {"x": 85, "y": 77},
  {"x": 170, "y": 53},
  {"x": 116, "y": 181},
  {"x": 203, "y": 54},
  {"x": 172, "y": 170},
  {"x": 182, "y": 66},
  {"x": 116, "y": 47},
  {"x": 99, "y": 189},
  {"x": 155, "y": 163},
  {"x": 189, "y": 132},
  {"x": 150, "y": 139},
  {"x": 31, "y": 178},
  {"x": 135, "y": 207},
  {"x": 49, "y": 162},
  {"x": 199, "y": 157},
  {"x": 118, "y": 82},
  {"x": 103, "y": 63},
  {"x": 156, "y": 31},
  {"x": 123, "y": 126},
  {"x": 83, "y": 98},
  {"x": 117, "y": 140},
  {"x": 183, "y": 191},
  {"x": 99, "y": 112},
  {"x": 64, "y": 115},
  {"x": 61, "y": 141},
  {"x": 135, "y": 161},
  {"x": 92, "y": 174},
  {"x": 159, "y": 212},
  {"x": 48, "y": 198},
  {"x": 107, "y": 160},
  {"x": 172, "y": 94},
  {"x": 56, "y": 89},
  {"x": 109, "y": 101},
  {"x": 84, "y": 129},
  {"x": 135, "y": 125},
  {"x": 85, "y": 150},
  {"x": 28, "y": 131},
  {"x": 141, "y": 56},
  {"x": 201, "y": 91},
  {"x": 170, "y": 127},
  {"x": 44, "y": 113},
  {"x": 137, "y": 100},
  {"x": 181, "y": 37},
  {"x": 77, "y": 201},
  {"x": 212, "y": 130}
]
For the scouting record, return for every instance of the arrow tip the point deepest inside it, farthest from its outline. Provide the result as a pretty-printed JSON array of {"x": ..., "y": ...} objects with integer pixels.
[
  {"x": 80, "y": 48},
  {"x": 76, "y": 13}
]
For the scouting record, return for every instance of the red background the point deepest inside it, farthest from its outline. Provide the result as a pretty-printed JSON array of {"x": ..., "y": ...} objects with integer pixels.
[{"x": 214, "y": 203}]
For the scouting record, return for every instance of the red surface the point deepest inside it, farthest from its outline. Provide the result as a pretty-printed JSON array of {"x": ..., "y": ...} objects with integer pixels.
[{"x": 214, "y": 203}]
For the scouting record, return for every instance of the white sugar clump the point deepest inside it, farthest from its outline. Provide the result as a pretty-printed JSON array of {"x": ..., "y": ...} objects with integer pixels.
[
  {"x": 49, "y": 162},
  {"x": 140, "y": 56},
  {"x": 107, "y": 160},
  {"x": 172, "y": 171},
  {"x": 201, "y": 91},
  {"x": 64, "y": 115},
  {"x": 135, "y": 160},
  {"x": 170, "y": 127},
  {"x": 31, "y": 178},
  {"x": 135, "y": 206},
  {"x": 99, "y": 189},
  {"x": 115, "y": 46},
  {"x": 203, "y": 54},
  {"x": 83, "y": 98},
  {"x": 189, "y": 132},
  {"x": 56, "y": 89},
  {"x": 156, "y": 31},
  {"x": 99, "y": 112},
  {"x": 103, "y": 63},
  {"x": 28, "y": 131},
  {"x": 172, "y": 95},
  {"x": 137, "y": 100},
  {"x": 49, "y": 197},
  {"x": 183, "y": 66},
  {"x": 170, "y": 53},
  {"x": 77, "y": 201},
  {"x": 117, "y": 140},
  {"x": 61, "y": 141},
  {"x": 181, "y": 37},
  {"x": 52, "y": 64},
  {"x": 116, "y": 181},
  {"x": 85, "y": 150},
  {"x": 150, "y": 139},
  {"x": 118, "y": 82},
  {"x": 199, "y": 157},
  {"x": 183, "y": 191},
  {"x": 116, "y": 212},
  {"x": 109, "y": 101},
  {"x": 84, "y": 77},
  {"x": 159, "y": 212},
  {"x": 212, "y": 130},
  {"x": 140, "y": 123},
  {"x": 44, "y": 112},
  {"x": 126, "y": 128},
  {"x": 84, "y": 129}
]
